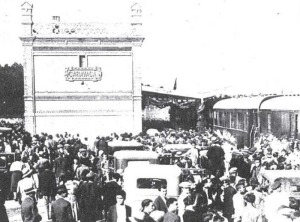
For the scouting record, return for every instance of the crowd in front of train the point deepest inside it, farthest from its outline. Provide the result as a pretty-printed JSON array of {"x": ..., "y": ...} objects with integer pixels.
[{"x": 74, "y": 179}]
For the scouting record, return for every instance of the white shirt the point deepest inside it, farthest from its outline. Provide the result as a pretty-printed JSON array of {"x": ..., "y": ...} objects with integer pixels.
[
  {"x": 238, "y": 204},
  {"x": 16, "y": 166},
  {"x": 121, "y": 213}
]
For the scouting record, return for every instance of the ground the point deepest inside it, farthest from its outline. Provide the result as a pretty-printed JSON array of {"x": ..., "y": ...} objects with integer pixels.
[{"x": 13, "y": 209}]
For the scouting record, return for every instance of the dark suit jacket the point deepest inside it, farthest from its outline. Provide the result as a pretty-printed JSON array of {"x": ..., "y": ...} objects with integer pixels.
[
  {"x": 61, "y": 211},
  {"x": 29, "y": 211},
  {"x": 47, "y": 183},
  {"x": 228, "y": 209},
  {"x": 60, "y": 165},
  {"x": 112, "y": 215},
  {"x": 160, "y": 204}
]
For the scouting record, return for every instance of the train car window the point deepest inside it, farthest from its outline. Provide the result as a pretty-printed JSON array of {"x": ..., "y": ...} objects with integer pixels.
[
  {"x": 233, "y": 120},
  {"x": 223, "y": 119},
  {"x": 227, "y": 120},
  {"x": 246, "y": 120},
  {"x": 269, "y": 123},
  {"x": 240, "y": 121},
  {"x": 220, "y": 119},
  {"x": 215, "y": 118}
]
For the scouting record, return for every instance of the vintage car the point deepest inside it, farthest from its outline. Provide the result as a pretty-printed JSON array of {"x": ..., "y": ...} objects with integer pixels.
[
  {"x": 142, "y": 180},
  {"x": 6, "y": 159},
  {"x": 114, "y": 146},
  {"x": 290, "y": 180},
  {"x": 124, "y": 158}
]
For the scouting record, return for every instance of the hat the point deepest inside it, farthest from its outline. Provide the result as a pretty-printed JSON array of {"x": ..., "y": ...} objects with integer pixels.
[
  {"x": 82, "y": 150},
  {"x": 67, "y": 145},
  {"x": 233, "y": 170},
  {"x": 236, "y": 153},
  {"x": 178, "y": 154},
  {"x": 252, "y": 150},
  {"x": 26, "y": 172},
  {"x": 61, "y": 189},
  {"x": 120, "y": 171},
  {"x": 185, "y": 184},
  {"x": 224, "y": 178},
  {"x": 90, "y": 174},
  {"x": 41, "y": 153},
  {"x": 30, "y": 190},
  {"x": 275, "y": 185},
  {"x": 60, "y": 146}
]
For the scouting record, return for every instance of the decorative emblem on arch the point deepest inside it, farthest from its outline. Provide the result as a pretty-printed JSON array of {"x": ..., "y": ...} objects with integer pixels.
[{"x": 83, "y": 74}]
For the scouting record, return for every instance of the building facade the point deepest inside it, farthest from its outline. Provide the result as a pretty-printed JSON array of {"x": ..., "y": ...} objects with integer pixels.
[{"x": 82, "y": 78}]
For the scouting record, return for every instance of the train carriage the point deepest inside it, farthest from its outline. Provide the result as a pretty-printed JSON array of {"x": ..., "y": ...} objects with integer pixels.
[
  {"x": 246, "y": 117},
  {"x": 280, "y": 116},
  {"x": 239, "y": 116}
]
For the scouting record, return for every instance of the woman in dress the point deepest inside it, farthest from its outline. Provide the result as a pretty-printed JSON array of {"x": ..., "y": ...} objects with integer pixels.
[{"x": 16, "y": 175}]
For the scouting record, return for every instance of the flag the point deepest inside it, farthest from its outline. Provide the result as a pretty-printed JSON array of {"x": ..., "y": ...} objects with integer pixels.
[{"x": 175, "y": 84}]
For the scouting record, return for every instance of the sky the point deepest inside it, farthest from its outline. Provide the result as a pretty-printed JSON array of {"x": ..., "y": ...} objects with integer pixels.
[{"x": 208, "y": 45}]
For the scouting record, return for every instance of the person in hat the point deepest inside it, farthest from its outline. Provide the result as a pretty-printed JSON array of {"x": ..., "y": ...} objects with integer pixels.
[
  {"x": 88, "y": 199},
  {"x": 40, "y": 163},
  {"x": 83, "y": 169},
  {"x": 185, "y": 193},
  {"x": 60, "y": 167},
  {"x": 61, "y": 208},
  {"x": 109, "y": 191},
  {"x": 29, "y": 210},
  {"x": 234, "y": 177},
  {"x": 238, "y": 202},
  {"x": 216, "y": 156},
  {"x": 16, "y": 175},
  {"x": 229, "y": 192},
  {"x": 119, "y": 212},
  {"x": 26, "y": 182}
]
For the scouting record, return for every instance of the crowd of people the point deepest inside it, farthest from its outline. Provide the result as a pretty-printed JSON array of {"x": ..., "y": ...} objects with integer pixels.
[{"x": 74, "y": 178}]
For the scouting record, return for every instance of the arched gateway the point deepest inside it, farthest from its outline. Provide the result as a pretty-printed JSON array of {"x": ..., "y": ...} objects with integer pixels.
[{"x": 82, "y": 78}]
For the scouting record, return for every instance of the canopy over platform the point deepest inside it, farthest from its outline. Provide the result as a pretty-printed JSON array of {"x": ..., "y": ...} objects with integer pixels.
[
  {"x": 241, "y": 103},
  {"x": 282, "y": 103}
]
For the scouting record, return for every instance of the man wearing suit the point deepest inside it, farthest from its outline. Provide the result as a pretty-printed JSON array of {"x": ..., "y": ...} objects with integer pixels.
[
  {"x": 229, "y": 192},
  {"x": 60, "y": 164},
  {"x": 47, "y": 187},
  {"x": 119, "y": 212},
  {"x": 161, "y": 200},
  {"x": 29, "y": 210},
  {"x": 61, "y": 209}
]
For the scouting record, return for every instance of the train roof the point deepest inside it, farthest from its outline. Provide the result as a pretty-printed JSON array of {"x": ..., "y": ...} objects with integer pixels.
[
  {"x": 241, "y": 103},
  {"x": 282, "y": 103}
]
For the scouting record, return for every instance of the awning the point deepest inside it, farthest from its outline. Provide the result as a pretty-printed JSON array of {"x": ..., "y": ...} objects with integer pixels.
[
  {"x": 282, "y": 103},
  {"x": 241, "y": 103}
]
